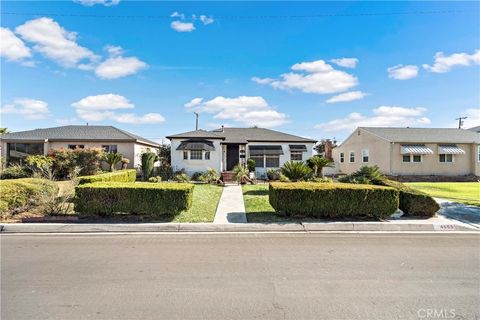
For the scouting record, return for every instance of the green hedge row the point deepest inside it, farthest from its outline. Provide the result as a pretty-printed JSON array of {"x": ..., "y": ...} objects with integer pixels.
[
  {"x": 333, "y": 200},
  {"x": 413, "y": 202},
  {"x": 129, "y": 175},
  {"x": 104, "y": 198},
  {"x": 21, "y": 193}
]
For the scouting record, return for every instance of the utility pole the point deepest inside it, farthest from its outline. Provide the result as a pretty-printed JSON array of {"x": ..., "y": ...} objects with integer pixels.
[
  {"x": 460, "y": 121},
  {"x": 196, "y": 120}
]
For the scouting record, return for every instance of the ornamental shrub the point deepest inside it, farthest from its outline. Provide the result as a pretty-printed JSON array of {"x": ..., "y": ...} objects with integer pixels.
[
  {"x": 129, "y": 175},
  {"x": 65, "y": 161},
  {"x": 365, "y": 175},
  {"x": 273, "y": 174},
  {"x": 413, "y": 202},
  {"x": 15, "y": 171},
  {"x": 295, "y": 170},
  {"x": 333, "y": 200},
  {"x": 19, "y": 194},
  {"x": 105, "y": 198},
  {"x": 148, "y": 162}
]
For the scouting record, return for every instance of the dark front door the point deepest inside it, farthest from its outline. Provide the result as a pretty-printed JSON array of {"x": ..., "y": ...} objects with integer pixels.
[{"x": 232, "y": 156}]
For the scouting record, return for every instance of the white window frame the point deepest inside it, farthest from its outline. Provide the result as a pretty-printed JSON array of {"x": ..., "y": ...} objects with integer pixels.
[
  {"x": 277, "y": 156},
  {"x": 365, "y": 154},
  {"x": 296, "y": 153},
  {"x": 478, "y": 153},
  {"x": 410, "y": 156},
  {"x": 446, "y": 158},
  {"x": 185, "y": 155},
  {"x": 197, "y": 152},
  {"x": 341, "y": 157},
  {"x": 350, "y": 156},
  {"x": 108, "y": 148},
  {"x": 207, "y": 153}
]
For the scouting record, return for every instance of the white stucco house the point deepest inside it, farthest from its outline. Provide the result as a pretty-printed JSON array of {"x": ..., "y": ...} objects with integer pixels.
[{"x": 223, "y": 148}]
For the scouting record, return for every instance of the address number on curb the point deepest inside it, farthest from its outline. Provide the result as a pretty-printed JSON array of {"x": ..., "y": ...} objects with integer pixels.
[{"x": 444, "y": 227}]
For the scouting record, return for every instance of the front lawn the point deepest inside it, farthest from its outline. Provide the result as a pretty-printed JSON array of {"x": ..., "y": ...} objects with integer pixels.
[
  {"x": 204, "y": 206},
  {"x": 465, "y": 192},
  {"x": 257, "y": 206}
]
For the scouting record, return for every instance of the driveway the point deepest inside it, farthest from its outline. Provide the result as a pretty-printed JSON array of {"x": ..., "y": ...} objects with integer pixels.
[{"x": 459, "y": 211}]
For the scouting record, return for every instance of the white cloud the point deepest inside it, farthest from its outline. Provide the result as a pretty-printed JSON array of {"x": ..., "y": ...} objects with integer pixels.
[
  {"x": 345, "y": 62},
  {"x": 347, "y": 96},
  {"x": 89, "y": 3},
  {"x": 103, "y": 107},
  {"x": 29, "y": 109},
  {"x": 246, "y": 110},
  {"x": 117, "y": 67},
  {"x": 114, "y": 51},
  {"x": 473, "y": 117},
  {"x": 11, "y": 47},
  {"x": 312, "y": 77},
  {"x": 54, "y": 42},
  {"x": 401, "y": 72},
  {"x": 180, "y": 26},
  {"x": 384, "y": 116},
  {"x": 177, "y": 15},
  {"x": 206, "y": 20},
  {"x": 444, "y": 63}
]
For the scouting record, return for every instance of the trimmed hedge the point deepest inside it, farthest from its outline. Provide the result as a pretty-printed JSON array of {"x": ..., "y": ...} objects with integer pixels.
[
  {"x": 413, "y": 202},
  {"x": 104, "y": 198},
  {"x": 333, "y": 200},
  {"x": 129, "y": 175},
  {"x": 21, "y": 193}
]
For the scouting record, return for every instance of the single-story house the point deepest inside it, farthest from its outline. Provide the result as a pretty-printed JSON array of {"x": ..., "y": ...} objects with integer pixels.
[
  {"x": 224, "y": 148},
  {"x": 18, "y": 145},
  {"x": 411, "y": 151}
]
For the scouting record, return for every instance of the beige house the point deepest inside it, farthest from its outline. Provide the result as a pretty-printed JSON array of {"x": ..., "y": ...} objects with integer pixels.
[
  {"x": 18, "y": 145},
  {"x": 411, "y": 151}
]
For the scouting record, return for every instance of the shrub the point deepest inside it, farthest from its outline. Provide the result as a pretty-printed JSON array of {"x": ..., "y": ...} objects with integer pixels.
[
  {"x": 295, "y": 170},
  {"x": 196, "y": 176},
  {"x": 240, "y": 173},
  {"x": 104, "y": 198},
  {"x": 129, "y": 175},
  {"x": 251, "y": 165},
  {"x": 274, "y": 174},
  {"x": 181, "y": 177},
  {"x": 333, "y": 200},
  {"x": 283, "y": 178},
  {"x": 65, "y": 161},
  {"x": 365, "y": 175},
  {"x": 148, "y": 162},
  {"x": 15, "y": 171},
  {"x": 165, "y": 171},
  {"x": 413, "y": 202},
  {"x": 20, "y": 194},
  {"x": 317, "y": 163},
  {"x": 112, "y": 159},
  {"x": 211, "y": 175},
  {"x": 322, "y": 180},
  {"x": 156, "y": 179}
]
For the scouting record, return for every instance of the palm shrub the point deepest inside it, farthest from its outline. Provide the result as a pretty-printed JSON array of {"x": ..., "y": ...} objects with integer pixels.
[
  {"x": 295, "y": 170},
  {"x": 211, "y": 175},
  {"x": 317, "y": 163},
  {"x": 112, "y": 159},
  {"x": 240, "y": 173},
  {"x": 148, "y": 161},
  {"x": 365, "y": 175}
]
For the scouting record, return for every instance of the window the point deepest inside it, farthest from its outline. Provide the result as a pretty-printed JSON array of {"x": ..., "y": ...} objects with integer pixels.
[
  {"x": 365, "y": 155},
  {"x": 447, "y": 158},
  {"x": 273, "y": 161},
  {"x": 207, "y": 155},
  {"x": 478, "y": 153},
  {"x": 110, "y": 148},
  {"x": 17, "y": 151},
  {"x": 342, "y": 157},
  {"x": 412, "y": 158},
  {"x": 185, "y": 155},
  {"x": 195, "y": 154},
  {"x": 296, "y": 155},
  {"x": 417, "y": 158},
  {"x": 406, "y": 158},
  {"x": 352, "y": 156},
  {"x": 75, "y": 146},
  {"x": 259, "y": 161}
]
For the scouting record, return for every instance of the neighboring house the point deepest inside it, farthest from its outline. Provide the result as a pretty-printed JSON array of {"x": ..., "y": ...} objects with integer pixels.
[
  {"x": 224, "y": 148},
  {"x": 18, "y": 145},
  {"x": 411, "y": 151}
]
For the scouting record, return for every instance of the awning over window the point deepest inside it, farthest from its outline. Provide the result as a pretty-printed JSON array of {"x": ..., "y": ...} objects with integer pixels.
[
  {"x": 196, "y": 145},
  {"x": 298, "y": 147},
  {"x": 450, "y": 149},
  {"x": 265, "y": 150},
  {"x": 415, "y": 149}
]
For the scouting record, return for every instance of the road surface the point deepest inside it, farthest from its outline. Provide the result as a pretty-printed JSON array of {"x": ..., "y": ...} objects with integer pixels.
[{"x": 241, "y": 276}]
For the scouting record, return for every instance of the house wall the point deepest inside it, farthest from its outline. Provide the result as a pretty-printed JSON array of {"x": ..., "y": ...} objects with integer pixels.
[
  {"x": 378, "y": 148},
  {"x": 138, "y": 149},
  {"x": 192, "y": 166},
  {"x": 475, "y": 159}
]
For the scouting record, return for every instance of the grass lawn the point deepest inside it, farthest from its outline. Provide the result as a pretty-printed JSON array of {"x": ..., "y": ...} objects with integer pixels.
[
  {"x": 257, "y": 206},
  {"x": 465, "y": 192},
  {"x": 205, "y": 201}
]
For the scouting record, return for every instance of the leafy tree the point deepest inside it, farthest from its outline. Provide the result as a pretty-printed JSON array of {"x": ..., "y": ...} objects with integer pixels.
[
  {"x": 295, "y": 170},
  {"x": 4, "y": 130},
  {"x": 112, "y": 159},
  {"x": 164, "y": 154},
  {"x": 320, "y": 147},
  {"x": 317, "y": 163}
]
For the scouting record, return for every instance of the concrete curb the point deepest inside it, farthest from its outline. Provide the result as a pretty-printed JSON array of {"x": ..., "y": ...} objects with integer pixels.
[{"x": 402, "y": 226}]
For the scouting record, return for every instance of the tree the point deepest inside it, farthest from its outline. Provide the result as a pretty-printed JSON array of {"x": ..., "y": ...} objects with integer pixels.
[
  {"x": 112, "y": 159},
  {"x": 4, "y": 130},
  {"x": 148, "y": 161},
  {"x": 320, "y": 147},
  {"x": 164, "y": 154},
  {"x": 317, "y": 163}
]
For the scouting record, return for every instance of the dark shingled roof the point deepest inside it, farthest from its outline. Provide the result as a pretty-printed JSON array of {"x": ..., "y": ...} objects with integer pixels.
[
  {"x": 77, "y": 133},
  {"x": 243, "y": 135},
  {"x": 425, "y": 135},
  {"x": 476, "y": 129}
]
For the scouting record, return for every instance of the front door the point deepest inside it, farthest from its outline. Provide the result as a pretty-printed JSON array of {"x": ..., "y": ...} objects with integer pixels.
[{"x": 232, "y": 156}]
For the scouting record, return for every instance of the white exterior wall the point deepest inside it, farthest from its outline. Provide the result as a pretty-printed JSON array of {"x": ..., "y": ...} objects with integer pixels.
[{"x": 192, "y": 166}]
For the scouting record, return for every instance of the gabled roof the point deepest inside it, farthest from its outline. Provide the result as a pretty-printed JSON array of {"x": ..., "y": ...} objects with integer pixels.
[
  {"x": 476, "y": 129},
  {"x": 425, "y": 135},
  {"x": 77, "y": 133},
  {"x": 243, "y": 135}
]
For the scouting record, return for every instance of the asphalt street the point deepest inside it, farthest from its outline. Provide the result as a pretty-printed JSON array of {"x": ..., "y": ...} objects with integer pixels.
[{"x": 241, "y": 276}]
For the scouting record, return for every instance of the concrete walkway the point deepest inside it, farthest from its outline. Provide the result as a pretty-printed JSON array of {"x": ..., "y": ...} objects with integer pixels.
[
  {"x": 231, "y": 208},
  {"x": 459, "y": 211}
]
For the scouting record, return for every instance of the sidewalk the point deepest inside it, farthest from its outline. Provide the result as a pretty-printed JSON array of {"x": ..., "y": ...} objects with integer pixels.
[{"x": 231, "y": 208}]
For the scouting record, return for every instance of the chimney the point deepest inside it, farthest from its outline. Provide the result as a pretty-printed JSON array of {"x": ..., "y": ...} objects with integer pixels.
[{"x": 328, "y": 149}]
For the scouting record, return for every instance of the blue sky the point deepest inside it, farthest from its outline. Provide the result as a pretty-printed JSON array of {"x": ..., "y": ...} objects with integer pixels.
[{"x": 317, "y": 69}]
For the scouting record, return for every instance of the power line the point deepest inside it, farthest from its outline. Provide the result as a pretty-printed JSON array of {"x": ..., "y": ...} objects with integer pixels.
[{"x": 233, "y": 17}]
